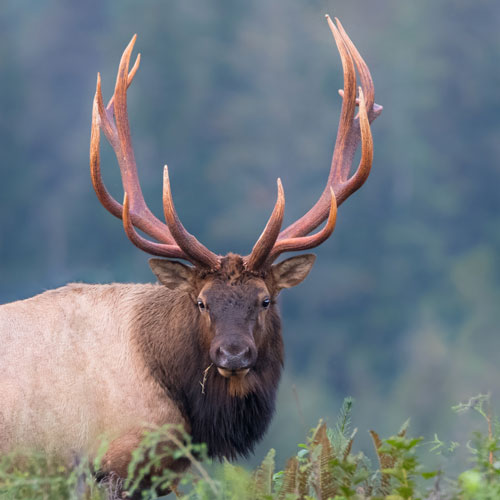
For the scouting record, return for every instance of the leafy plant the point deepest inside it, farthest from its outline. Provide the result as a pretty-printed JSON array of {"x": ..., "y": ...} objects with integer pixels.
[
  {"x": 36, "y": 477},
  {"x": 482, "y": 481},
  {"x": 324, "y": 468}
]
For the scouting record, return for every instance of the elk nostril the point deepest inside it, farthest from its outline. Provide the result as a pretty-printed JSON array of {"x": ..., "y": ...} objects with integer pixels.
[
  {"x": 246, "y": 354},
  {"x": 223, "y": 352}
]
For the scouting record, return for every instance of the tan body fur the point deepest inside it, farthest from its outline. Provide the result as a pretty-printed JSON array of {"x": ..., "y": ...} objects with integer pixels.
[{"x": 70, "y": 373}]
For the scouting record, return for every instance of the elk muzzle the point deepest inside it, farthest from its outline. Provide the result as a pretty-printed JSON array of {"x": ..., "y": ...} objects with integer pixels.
[{"x": 233, "y": 356}]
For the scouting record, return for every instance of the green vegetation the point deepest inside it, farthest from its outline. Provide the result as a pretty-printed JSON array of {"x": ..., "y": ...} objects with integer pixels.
[{"x": 325, "y": 467}]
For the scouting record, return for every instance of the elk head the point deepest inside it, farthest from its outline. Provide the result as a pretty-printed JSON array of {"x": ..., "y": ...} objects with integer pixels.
[{"x": 235, "y": 295}]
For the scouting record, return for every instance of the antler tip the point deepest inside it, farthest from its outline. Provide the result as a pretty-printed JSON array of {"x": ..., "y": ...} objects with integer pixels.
[
  {"x": 339, "y": 25},
  {"x": 98, "y": 97},
  {"x": 98, "y": 94},
  {"x": 281, "y": 194},
  {"x": 128, "y": 51},
  {"x": 168, "y": 204},
  {"x": 333, "y": 28}
]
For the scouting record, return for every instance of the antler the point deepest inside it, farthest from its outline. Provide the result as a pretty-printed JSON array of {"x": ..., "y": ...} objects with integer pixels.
[
  {"x": 352, "y": 129},
  {"x": 175, "y": 241}
]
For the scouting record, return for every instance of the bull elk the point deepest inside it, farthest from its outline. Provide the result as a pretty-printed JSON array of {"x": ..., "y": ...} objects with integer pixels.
[{"x": 84, "y": 361}]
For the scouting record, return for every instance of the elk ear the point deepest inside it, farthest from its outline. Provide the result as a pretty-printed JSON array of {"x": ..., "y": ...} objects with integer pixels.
[
  {"x": 293, "y": 271},
  {"x": 172, "y": 274}
]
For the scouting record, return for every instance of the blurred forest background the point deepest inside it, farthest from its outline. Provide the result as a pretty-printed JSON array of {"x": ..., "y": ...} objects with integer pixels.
[{"x": 402, "y": 308}]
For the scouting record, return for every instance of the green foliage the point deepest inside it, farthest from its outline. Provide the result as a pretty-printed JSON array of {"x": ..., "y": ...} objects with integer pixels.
[
  {"x": 325, "y": 467},
  {"x": 482, "y": 481},
  {"x": 263, "y": 476},
  {"x": 36, "y": 477}
]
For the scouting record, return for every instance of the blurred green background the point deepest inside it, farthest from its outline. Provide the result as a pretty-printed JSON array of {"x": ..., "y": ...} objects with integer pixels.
[{"x": 402, "y": 308}]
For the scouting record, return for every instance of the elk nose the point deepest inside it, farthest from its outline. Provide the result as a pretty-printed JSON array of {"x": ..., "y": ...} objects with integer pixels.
[{"x": 234, "y": 357}]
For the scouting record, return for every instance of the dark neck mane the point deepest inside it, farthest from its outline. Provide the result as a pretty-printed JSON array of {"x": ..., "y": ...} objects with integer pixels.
[{"x": 229, "y": 425}]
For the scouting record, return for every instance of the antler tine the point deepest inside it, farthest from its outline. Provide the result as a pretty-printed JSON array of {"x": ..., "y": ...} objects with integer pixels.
[
  {"x": 192, "y": 248},
  {"x": 364, "y": 72},
  {"x": 117, "y": 132},
  {"x": 337, "y": 175},
  {"x": 102, "y": 193},
  {"x": 365, "y": 163},
  {"x": 263, "y": 247},
  {"x": 130, "y": 78},
  {"x": 307, "y": 242},
  {"x": 351, "y": 130},
  {"x": 161, "y": 250},
  {"x": 374, "y": 109}
]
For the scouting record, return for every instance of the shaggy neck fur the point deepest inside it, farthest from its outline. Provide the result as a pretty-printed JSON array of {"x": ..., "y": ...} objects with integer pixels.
[{"x": 229, "y": 415}]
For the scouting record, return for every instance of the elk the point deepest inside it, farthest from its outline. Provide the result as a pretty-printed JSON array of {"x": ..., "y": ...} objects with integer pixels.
[{"x": 84, "y": 361}]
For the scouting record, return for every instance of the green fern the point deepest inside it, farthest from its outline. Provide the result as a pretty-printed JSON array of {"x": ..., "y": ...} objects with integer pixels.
[
  {"x": 340, "y": 436},
  {"x": 385, "y": 462},
  {"x": 290, "y": 481},
  {"x": 263, "y": 476},
  {"x": 323, "y": 456}
]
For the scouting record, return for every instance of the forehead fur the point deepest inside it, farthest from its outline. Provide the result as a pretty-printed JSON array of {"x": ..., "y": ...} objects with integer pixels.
[{"x": 233, "y": 272}]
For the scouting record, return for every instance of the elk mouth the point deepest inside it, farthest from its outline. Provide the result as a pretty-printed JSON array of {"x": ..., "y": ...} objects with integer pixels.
[{"x": 233, "y": 373}]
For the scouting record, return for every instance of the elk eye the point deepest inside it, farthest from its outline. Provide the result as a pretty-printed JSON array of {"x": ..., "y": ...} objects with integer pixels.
[
  {"x": 201, "y": 305},
  {"x": 266, "y": 302}
]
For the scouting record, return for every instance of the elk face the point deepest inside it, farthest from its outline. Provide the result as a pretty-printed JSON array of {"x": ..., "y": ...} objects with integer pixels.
[
  {"x": 235, "y": 313},
  {"x": 235, "y": 306}
]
